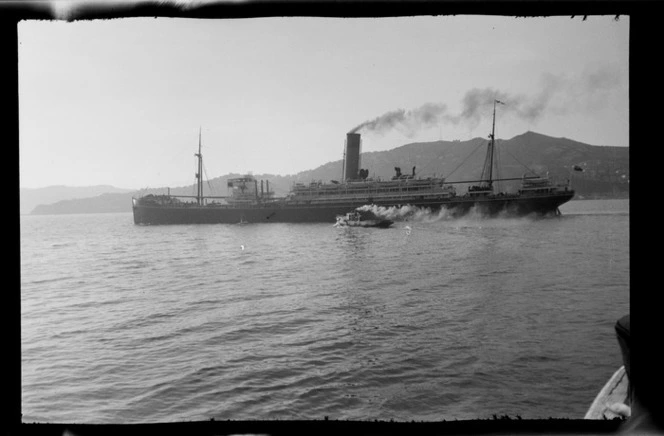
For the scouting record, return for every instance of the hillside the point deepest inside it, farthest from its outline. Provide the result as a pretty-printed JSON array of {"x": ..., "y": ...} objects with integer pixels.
[
  {"x": 32, "y": 197},
  {"x": 605, "y": 169}
]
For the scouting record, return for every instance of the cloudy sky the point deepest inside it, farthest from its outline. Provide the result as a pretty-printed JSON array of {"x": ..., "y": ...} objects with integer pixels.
[{"x": 120, "y": 102}]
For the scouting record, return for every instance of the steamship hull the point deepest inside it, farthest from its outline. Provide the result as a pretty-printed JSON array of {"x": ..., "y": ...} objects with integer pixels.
[{"x": 285, "y": 212}]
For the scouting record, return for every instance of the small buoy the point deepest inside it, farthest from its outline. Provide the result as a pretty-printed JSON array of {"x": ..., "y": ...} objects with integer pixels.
[{"x": 242, "y": 247}]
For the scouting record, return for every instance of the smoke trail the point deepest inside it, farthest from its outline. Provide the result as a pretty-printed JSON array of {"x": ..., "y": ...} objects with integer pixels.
[
  {"x": 557, "y": 94},
  {"x": 476, "y": 101},
  {"x": 411, "y": 121}
]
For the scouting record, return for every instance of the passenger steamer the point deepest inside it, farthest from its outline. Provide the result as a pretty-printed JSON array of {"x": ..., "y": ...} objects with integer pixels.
[{"x": 251, "y": 202}]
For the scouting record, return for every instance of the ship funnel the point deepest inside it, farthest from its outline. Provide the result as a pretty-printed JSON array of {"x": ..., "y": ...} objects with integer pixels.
[{"x": 352, "y": 156}]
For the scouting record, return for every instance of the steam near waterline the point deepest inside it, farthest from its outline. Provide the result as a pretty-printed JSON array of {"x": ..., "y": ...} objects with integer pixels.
[
  {"x": 557, "y": 94},
  {"x": 407, "y": 213},
  {"x": 424, "y": 215}
]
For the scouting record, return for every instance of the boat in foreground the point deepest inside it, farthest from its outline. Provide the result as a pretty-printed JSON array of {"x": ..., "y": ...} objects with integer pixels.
[
  {"x": 323, "y": 202},
  {"x": 611, "y": 401}
]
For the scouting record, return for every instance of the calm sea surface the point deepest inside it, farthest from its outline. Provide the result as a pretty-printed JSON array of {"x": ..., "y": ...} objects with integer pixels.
[{"x": 432, "y": 319}]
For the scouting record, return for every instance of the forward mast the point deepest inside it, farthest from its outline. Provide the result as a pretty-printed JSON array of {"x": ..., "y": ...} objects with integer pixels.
[{"x": 199, "y": 179}]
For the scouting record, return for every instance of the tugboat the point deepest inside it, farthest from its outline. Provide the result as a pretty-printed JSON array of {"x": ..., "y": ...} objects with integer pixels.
[{"x": 362, "y": 219}]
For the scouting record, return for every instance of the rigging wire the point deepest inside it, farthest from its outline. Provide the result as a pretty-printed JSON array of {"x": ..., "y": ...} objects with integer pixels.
[
  {"x": 466, "y": 159},
  {"x": 207, "y": 179},
  {"x": 521, "y": 163},
  {"x": 195, "y": 185},
  {"x": 497, "y": 159}
]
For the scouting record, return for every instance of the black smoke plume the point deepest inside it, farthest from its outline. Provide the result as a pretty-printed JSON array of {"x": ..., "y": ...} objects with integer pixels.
[
  {"x": 427, "y": 115},
  {"x": 557, "y": 94}
]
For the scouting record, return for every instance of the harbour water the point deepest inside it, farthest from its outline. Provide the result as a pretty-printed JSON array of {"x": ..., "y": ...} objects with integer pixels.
[{"x": 432, "y": 319}]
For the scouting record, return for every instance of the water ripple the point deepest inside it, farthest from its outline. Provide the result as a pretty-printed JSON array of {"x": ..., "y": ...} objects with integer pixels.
[{"x": 452, "y": 319}]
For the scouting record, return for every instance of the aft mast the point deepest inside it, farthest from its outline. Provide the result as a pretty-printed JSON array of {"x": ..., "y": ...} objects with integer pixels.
[
  {"x": 199, "y": 180},
  {"x": 488, "y": 163}
]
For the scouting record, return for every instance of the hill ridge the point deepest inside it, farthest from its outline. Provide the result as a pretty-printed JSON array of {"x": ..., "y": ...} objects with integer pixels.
[{"x": 606, "y": 168}]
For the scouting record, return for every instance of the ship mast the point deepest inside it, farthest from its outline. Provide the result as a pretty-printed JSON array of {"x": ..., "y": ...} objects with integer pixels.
[
  {"x": 199, "y": 180},
  {"x": 493, "y": 142},
  {"x": 488, "y": 164}
]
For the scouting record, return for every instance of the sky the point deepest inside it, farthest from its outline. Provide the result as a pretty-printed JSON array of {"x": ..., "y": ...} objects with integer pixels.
[{"x": 121, "y": 102}]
